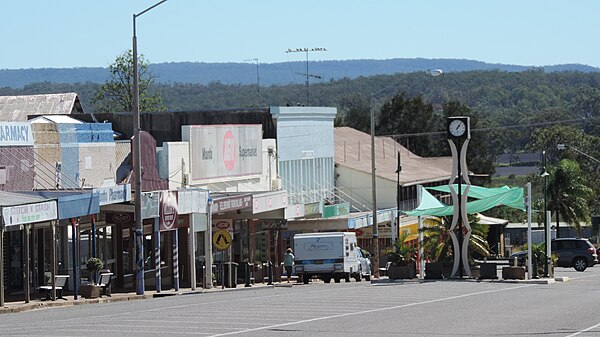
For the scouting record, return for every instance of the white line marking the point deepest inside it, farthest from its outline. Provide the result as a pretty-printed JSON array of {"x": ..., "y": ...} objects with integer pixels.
[
  {"x": 584, "y": 330},
  {"x": 370, "y": 311}
]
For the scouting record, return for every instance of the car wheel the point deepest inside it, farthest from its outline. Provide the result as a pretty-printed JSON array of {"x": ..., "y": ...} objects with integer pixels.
[
  {"x": 337, "y": 279},
  {"x": 327, "y": 279},
  {"x": 358, "y": 276},
  {"x": 305, "y": 278},
  {"x": 368, "y": 277},
  {"x": 580, "y": 264}
]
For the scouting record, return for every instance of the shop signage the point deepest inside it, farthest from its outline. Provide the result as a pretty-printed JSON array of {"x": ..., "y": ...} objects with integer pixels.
[
  {"x": 224, "y": 150},
  {"x": 168, "y": 210},
  {"x": 294, "y": 211},
  {"x": 192, "y": 201},
  {"x": 312, "y": 209},
  {"x": 232, "y": 203},
  {"x": 30, "y": 213},
  {"x": 114, "y": 194},
  {"x": 223, "y": 224},
  {"x": 16, "y": 134},
  {"x": 335, "y": 210},
  {"x": 269, "y": 201},
  {"x": 384, "y": 231},
  {"x": 120, "y": 218},
  {"x": 150, "y": 205}
]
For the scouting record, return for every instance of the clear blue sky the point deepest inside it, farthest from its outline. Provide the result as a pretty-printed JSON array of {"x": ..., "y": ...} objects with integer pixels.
[{"x": 91, "y": 33}]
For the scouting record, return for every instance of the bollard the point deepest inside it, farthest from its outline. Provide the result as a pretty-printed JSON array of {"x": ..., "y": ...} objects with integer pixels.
[
  {"x": 515, "y": 262},
  {"x": 248, "y": 275},
  {"x": 270, "y": 271},
  {"x": 535, "y": 268}
]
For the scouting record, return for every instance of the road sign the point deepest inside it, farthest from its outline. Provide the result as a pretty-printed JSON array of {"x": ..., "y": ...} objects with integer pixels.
[{"x": 221, "y": 239}]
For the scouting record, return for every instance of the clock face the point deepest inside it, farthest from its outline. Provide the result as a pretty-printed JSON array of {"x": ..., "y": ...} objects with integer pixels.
[{"x": 457, "y": 128}]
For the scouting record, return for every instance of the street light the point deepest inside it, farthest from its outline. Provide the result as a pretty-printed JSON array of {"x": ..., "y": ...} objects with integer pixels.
[
  {"x": 398, "y": 190},
  {"x": 139, "y": 247}
]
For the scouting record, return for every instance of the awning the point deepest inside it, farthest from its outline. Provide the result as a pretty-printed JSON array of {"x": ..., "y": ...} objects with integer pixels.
[{"x": 21, "y": 208}]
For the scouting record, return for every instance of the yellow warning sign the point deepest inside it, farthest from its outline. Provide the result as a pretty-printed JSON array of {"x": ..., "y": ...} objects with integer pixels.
[{"x": 221, "y": 239}]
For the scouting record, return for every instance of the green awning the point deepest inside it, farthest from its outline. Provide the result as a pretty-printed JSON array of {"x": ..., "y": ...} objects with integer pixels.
[
  {"x": 511, "y": 197},
  {"x": 476, "y": 192}
]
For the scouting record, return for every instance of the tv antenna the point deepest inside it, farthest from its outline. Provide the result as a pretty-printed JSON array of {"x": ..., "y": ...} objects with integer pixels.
[
  {"x": 308, "y": 75},
  {"x": 257, "y": 77}
]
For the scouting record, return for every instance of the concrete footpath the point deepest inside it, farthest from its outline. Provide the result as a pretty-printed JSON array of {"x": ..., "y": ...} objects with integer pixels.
[{"x": 16, "y": 303}]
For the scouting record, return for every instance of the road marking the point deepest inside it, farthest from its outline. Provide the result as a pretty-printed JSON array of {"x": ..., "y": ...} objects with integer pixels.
[
  {"x": 371, "y": 311},
  {"x": 581, "y": 331}
]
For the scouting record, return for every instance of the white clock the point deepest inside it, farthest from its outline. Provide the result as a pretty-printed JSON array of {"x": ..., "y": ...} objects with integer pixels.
[{"x": 457, "y": 128}]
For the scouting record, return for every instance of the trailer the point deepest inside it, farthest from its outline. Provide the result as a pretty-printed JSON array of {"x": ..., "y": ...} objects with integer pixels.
[{"x": 329, "y": 256}]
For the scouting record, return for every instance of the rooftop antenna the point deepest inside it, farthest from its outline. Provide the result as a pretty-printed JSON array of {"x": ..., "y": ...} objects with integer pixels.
[
  {"x": 257, "y": 77},
  {"x": 306, "y": 50}
]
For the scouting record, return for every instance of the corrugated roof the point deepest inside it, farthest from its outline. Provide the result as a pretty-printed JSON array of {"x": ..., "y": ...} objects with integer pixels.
[
  {"x": 353, "y": 150},
  {"x": 17, "y": 108},
  {"x": 12, "y": 199}
]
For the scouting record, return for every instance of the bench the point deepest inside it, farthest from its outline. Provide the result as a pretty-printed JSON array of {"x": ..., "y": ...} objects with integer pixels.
[
  {"x": 104, "y": 283},
  {"x": 384, "y": 271},
  {"x": 60, "y": 281}
]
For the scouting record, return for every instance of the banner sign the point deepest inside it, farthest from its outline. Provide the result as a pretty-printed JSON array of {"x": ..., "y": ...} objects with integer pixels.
[
  {"x": 294, "y": 211},
  {"x": 219, "y": 151},
  {"x": 168, "y": 210},
  {"x": 114, "y": 194},
  {"x": 269, "y": 201},
  {"x": 30, "y": 213},
  {"x": 16, "y": 134},
  {"x": 231, "y": 203}
]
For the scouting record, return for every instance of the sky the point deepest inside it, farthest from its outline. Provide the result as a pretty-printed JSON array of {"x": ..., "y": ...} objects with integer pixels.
[{"x": 91, "y": 33}]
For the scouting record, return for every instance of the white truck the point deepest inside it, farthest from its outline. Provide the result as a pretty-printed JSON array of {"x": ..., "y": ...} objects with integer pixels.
[{"x": 329, "y": 256}]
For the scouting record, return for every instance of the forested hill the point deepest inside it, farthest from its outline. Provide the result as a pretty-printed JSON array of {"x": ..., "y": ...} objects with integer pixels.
[{"x": 268, "y": 73}]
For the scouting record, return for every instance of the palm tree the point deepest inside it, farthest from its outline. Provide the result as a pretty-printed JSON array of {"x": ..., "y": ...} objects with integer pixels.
[
  {"x": 568, "y": 195},
  {"x": 437, "y": 242}
]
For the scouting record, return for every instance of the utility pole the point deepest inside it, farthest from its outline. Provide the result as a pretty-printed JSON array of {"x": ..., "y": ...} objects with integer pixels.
[{"x": 306, "y": 50}]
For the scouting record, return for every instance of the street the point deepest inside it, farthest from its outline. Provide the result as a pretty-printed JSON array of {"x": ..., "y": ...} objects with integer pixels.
[{"x": 412, "y": 308}]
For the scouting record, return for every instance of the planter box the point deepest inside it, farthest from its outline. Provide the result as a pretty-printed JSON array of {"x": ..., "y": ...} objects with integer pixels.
[
  {"x": 488, "y": 271},
  {"x": 90, "y": 291},
  {"x": 403, "y": 271},
  {"x": 437, "y": 270},
  {"x": 513, "y": 273}
]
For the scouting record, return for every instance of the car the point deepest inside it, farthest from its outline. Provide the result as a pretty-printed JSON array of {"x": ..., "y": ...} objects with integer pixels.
[
  {"x": 578, "y": 253},
  {"x": 364, "y": 257}
]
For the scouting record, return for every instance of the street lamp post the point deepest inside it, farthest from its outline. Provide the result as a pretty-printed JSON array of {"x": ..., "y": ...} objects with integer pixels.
[
  {"x": 398, "y": 190},
  {"x": 139, "y": 247}
]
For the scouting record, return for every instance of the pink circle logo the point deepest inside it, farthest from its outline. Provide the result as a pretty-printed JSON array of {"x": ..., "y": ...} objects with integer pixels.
[{"x": 229, "y": 152}]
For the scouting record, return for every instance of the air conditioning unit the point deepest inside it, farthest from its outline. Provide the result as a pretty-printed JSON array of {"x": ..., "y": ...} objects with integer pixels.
[{"x": 276, "y": 184}]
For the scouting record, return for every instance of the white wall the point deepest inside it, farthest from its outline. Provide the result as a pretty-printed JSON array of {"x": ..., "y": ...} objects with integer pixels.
[{"x": 358, "y": 186}]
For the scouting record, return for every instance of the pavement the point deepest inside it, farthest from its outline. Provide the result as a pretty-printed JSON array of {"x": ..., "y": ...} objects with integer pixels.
[{"x": 16, "y": 303}]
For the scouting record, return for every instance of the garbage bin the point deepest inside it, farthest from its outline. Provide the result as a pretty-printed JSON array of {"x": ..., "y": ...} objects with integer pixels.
[{"x": 230, "y": 282}]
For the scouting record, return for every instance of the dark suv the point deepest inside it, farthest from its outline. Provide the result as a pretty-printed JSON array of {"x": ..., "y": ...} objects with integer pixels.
[{"x": 576, "y": 253}]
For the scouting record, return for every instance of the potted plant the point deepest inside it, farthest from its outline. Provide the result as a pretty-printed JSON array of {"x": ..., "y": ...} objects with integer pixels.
[
  {"x": 402, "y": 259},
  {"x": 90, "y": 290}
]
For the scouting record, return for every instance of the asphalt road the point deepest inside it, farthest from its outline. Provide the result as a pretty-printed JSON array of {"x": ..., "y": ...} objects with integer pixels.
[{"x": 440, "y": 308}]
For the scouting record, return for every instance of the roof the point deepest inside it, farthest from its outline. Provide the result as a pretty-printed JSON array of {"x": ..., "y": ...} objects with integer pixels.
[
  {"x": 17, "y": 108},
  {"x": 12, "y": 199},
  {"x": 353, "y": 150},
  {"x": 58, "y": 119}
]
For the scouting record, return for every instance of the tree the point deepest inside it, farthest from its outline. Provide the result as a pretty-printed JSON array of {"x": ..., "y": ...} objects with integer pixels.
[
  {"x": 116, "y": 95},
  {"x": 355, "y": 113},
  {"x": 402, "y": 115},
  {"x": 568, "y": 195}
]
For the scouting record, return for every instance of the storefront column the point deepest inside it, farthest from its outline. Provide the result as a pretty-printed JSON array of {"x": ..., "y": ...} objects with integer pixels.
[
  {"x": 176, "y": 259},
  {"x": 1, "y": 266},
  {"x": 74, "y": 255},
  {"x": 53, "y": 262},
  {"x": 93, "y": 238},
  {"x": 192, "y": 245},
  {"x": 158, "y": 278},
  {"x": 27, "y": 277},
  {"x": 208, "y": 247}
]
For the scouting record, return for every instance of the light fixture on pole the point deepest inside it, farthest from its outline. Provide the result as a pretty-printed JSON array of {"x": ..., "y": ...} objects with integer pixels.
[
  {"x": 139, "y": 245},
  {"x": 398, "y": 190},
  {"x": 306, "y": 50}
]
